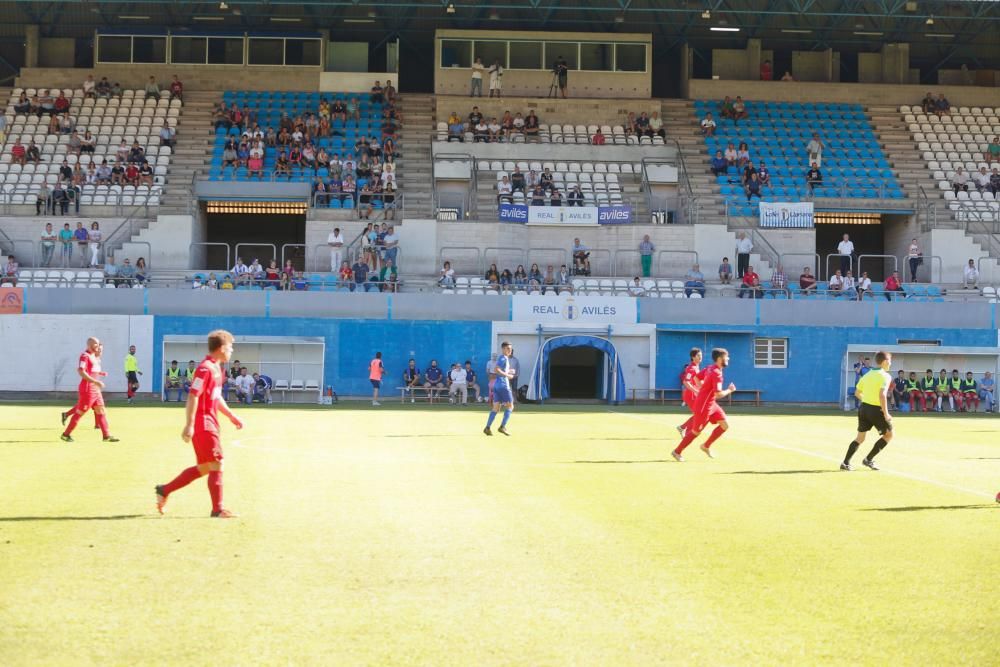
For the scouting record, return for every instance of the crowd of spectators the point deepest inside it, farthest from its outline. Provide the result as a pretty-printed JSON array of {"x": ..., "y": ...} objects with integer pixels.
[
  {"x": 936, "y": 105},
  {"x": 531, "y": 281},
  {"x": 478, "y": 128},
  {"x": 459, "y": 382}
]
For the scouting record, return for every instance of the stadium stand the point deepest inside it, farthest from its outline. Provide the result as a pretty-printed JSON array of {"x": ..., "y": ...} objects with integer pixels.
[
  {"x": 853, "y": 164},
  {"x": 110, "y": 121}
]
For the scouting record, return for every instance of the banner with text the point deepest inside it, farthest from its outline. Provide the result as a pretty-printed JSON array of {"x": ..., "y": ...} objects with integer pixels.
[
  {"x": 786, "y": 214},
  {"x": 569, "y": 308},
  {"x": 614, "y": 215},
  {"x": 513, "y": 213},
  {"x": 562, "y": 215}
]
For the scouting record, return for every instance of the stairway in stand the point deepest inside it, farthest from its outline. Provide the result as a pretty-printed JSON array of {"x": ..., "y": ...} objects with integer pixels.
[
  {"x": 415, "y": 169},
  {"x": 192, "y": 151}
]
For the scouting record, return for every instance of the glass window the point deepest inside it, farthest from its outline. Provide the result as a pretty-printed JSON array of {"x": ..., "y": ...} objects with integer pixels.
[
  {"x": 567, "y": 50},
  {"x": 225, "y": 51},
  {"x": 490, "y": 52},
  {"x": 149, "y": 49},
  {"x": 630, "y": 57},
  {"x": 188, "y": 50},
  {"x": 456, "y": 53},
  {"x": 770, "y": 353},
  {"x": 596, "y": 57},
  {"x": 114, "y": 49},
  {"x": 526, "y": 55},
  {"x": 302, "y": 52},
  {"x": 267, "y": 52}
]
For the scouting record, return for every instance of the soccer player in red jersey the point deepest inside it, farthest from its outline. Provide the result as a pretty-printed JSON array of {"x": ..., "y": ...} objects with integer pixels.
[
  {"x": 707, "y": 410},
  {"x": 201, "y": 427},
  {"x": 89, "y": 393},
  {"x": 690, "y": 383}
]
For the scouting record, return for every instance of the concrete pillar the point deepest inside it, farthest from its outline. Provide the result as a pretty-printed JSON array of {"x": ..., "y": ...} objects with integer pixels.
[
  {"x": 31, "y": 40},
  {"x": 828, "y": 65},
  {"x": 896, "y": 63},
  {"x": 686, "y": 69},
  {"x": 753, "y": 59}
]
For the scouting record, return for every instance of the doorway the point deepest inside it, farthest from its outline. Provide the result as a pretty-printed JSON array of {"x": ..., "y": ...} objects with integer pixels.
[
  {"x": 576, "y": 372},
  {"x": 867, "y": 239},
  {"x": 263, "y": 229}
]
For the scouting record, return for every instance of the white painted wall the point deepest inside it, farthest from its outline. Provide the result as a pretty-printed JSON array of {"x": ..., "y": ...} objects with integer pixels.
[
  {"x": 955, "y": 249},
  {"x": 170, "y": 237},
  {"x": 43, "y": 349}
]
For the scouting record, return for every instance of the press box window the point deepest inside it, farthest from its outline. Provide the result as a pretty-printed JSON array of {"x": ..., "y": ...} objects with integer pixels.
[{"x": 770, "y": 353}]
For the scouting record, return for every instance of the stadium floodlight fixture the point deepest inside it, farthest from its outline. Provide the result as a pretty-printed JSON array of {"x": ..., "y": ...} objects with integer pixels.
[
  {"x": 450, "y": 9},
  {"x": 285, "y": 19},
  {"x": 930, "y": 20},
  {"x": 864, "y": 33},
  {"x": 132, "y": 17},
  {"x": 620, "y": 18},
  {"x": 720, "y": 28},
  {"x": 223, "y": 6},
  {"x": 941, "y": 35},
  {"x": 494, "y": 15},
  {"x": 796, "y": 31},
  {"x": 208, "y": 18}
]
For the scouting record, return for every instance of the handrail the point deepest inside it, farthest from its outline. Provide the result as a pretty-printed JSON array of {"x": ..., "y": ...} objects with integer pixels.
[
  {"x": 111, "y": 242},
  {"x": 293, "y": 245},
  {"x": 273, "y": 247},
  {"x": 660, "y": 269},
  {"x": 469, "y": 204},
  {"x": 895, "y": 262},
  {"x": 773, "y": 256},
  {"x": 450, "y": 257},
  {"x": 814, "y": 256},
  {"x": 826, "y": 265}
]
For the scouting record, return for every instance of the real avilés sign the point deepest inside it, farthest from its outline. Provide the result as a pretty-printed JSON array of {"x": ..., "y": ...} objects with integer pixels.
[
  {"x": 566, "y": 215},
  {"x": 569, "y": 308}
]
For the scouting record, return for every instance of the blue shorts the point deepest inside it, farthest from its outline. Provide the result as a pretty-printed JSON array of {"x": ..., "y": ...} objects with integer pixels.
[
  {"x": 376, "y": 383},
  {"x": 501, "y": 394}
]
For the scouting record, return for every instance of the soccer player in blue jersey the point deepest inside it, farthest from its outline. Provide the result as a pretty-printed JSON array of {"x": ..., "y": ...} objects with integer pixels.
[{"x": 501, "y": 390}]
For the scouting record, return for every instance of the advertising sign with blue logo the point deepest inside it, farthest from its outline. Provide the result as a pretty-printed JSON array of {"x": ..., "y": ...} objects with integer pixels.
[
  {"x": 614, "y": 215},
  {"x": 566, "y": 215},
  {"x": 569, "y": 308},
  {"x": 513, "y": 213}
]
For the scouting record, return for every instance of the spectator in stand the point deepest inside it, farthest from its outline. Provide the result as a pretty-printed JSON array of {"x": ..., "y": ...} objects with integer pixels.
[
  {"x": 995, "y": 182},
  {"x": 287, "y": 275},
  {"x": 739, "y": 110},
  {"x": 725, "y": 271},
  {"x": 561, "y": 70},
  {"x": 43, "y": 199},
  {"x": 60, "y": 199},
  {"x": 655, "y": 127},
  {"x": 731, "y": 155},
  {"x": 388, "y": 276},
  {"x": 167, "y": 135},
  {"x": 520, "y": 278},
  {"x": 766, "y": 71},
  {"x": 598, "y": 139},
  {"x": 814, "y": 177},
  {"x": 743, "y": 155},
  {"x": 581, "y": 258},
  {"x": 478, "y": 69},
  {"x": 708, "y": 125},
  {"x": 132, "y": 174},
  {"x": 66, "y": 246},
  {"x": 141, "y": 272},
  {"x": 535, "y": 278},
  {"x": 359, "y": 271},
  {"x": 864, "y": 286},
  {"x": 787, "y": 76},
  {"x": 763, "y": 175},
  {"x": 176, "y": 89},
  {"x": 10, "y": 271},
  {"x": 345, "y": 275},
  {"x": 18, "y": 153},
  {"x": 506, "y": 281},
  {"x": 376, "y": 96},
  {"x": 807, "y": 281},
  {"x": 555, "y": 199},
  {"x": 646, "y": 249},
  {"x": 750, "y": 285},
  {"x": 496, "y": 78},
  {"x": 836, "y": 284},
  {"x": 517, "y": 180},
  {"x": 892, "y": 285},
  {"x": 752, "y": 186},
  {"x": 942, "y": 107},
  {"x": 960, "y": 180},
  {"x": 970, "y": 275},
  {"x": 112, "y": 273},
  {"x": 726, "y": 108},
  {"x": 481, "y": 132},
  {"x": 546, "y": 179},
  {"x": 33, "y": 154},
  {"x": 80, "y": 235},
  {"x": 90, "y": 87},
  {"x": 992, "y": 153},
  {"x": 446, "y": 278},
  {"x": 538, "y": 196},
  {"x": 127, "y": 272},
  {"x": 814, "y": 150},
  {"x": 272, "y": 275},
  {"x": 636, "y": 289},
  {"x": 927, "y": 104},
  {"x": 982, "y": 180},
  {"x": 549, "y": 281},
  {"x": 94, "y": 241},
  {"x": 719, "y": 164},
  {"x": 456, "y": 130},
  {"x": 575, "y": 197},
  {"x": 494, "y": 129},
  {"x": 517, "y": 124},
  {"x": 987, "y": 386},
  {"x": 563, "y": 281},
  {"x": 152, "y": 89},
  {"x": 779, "y": 281},
  {"x": 694, "y": 281},
  {"x": 530, "y": 125},
  {"x": 433, "y": 380},
  {"x": 336, "y": 242},
  {"x": 915, "y": 259},
  {"x": 743, "y": 247}
]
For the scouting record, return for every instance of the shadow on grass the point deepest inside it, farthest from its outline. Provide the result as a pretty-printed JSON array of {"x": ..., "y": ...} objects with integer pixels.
[
  {"x": 928, "y": 508},
  {"x": 112, "y": 517},
  {"x": 18, "y": 442},
  {"x": 777, "y": 472},
  {"x": 981, "y": 458},
  {"x": 624, "y": 439},
  {"x": 644, "y": 461}
]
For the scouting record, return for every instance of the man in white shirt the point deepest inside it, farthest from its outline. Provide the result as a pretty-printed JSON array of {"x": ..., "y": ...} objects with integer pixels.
[
  {"x": 458, "y": 384},
  {"x": 836, "y": 283},
  {"x": 849, "y": 288},
  {"x": 983, "y": 180},
  {"x": 504, "y": 191},
  {"x": 845, "y": 249},
  {"x": 970, "y": 276},
  {"x": 814, "y": 150},
  {"x": 477, "y": 78},
  {"x": 240, "y": 271},
  {"x": 244, "y": 384},
  {"x": 708, "y": 125},
  {"x": 864, "y": 285},
  {"x": 336, "y": 242},
  {"x": 496, "y": 78},
  {"x": 743, "y": 247},
  {"x": 960, "y": 180}
]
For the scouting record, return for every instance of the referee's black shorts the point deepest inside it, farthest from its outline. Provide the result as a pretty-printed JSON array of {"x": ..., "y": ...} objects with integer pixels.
[
  {"x": 870, "y": 416},
  {"x": 132, "y": 377}
]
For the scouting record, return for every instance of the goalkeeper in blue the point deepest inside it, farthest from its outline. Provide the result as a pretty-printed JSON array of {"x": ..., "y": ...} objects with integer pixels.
[{"x": 502, "y": 395}]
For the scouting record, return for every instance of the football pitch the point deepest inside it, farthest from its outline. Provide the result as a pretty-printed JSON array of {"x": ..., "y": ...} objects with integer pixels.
[{"x": 403, "y": 535}]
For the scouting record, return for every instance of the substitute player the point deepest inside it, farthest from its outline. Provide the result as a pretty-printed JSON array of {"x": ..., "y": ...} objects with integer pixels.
[
  {"x": 132, "y": 373},
  {"x": 873, "y": 392},
  {"x": 690, "y": 384},
  {"x": 501, "y": 394},
  {"x": 201, "y": 427},
  {"x": 89, "y": 392},
  {"x": 707, "y": 410}
]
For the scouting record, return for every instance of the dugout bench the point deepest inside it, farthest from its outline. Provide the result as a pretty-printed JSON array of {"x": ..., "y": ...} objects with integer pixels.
[{"x": 674, "y": 394}]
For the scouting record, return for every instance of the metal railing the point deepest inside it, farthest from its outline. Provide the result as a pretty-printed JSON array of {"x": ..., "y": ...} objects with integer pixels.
[
  {"x": 678, "y": 262},
  {"x": 826, "y": 265},
  {"x": 884, "y": 258},
  {"x": 464, "y": 259},
  {"x": 115, "y": 200},
  {"x": 759, "y": 241},
  {"x": 387, "y": 211},
  {"x": 497, "y": 256},
  {"x": 465, "y": 206},
  {"x": 10, "y": 247},
  {"x": 813, "y": 258},
  {"x": 688, "y": 210},
  {"x": 284, "y": 253},
  {"x": 542, "y": 256},
  {"x": 272, "y": 246}
]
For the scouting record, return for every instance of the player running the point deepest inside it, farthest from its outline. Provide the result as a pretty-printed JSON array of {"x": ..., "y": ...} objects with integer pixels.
[
  {"x": 501, "y": 390},
  {"x": 873, "y": 392},
  {"x": 132, "y": 373},
  {"x": 706, "y": 409},
  {"x": 201, "y": 427},
  {"x": 89, "y": 393},
  {"x": 690, "y": 383}
]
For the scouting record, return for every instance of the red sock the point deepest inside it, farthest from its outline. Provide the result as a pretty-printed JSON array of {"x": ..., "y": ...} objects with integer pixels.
[
  {"x": 688, "y": 438},
  {"x": 215, "y": 489},
  {"x": 74, "y": 420},
  {"x": 130, "y": 393},
  {"x": 715, "y": 436},
  {"x": 102, "y": 423},
  {"x": 187, "y": 476},
  {"x": 685, "y": 425}
]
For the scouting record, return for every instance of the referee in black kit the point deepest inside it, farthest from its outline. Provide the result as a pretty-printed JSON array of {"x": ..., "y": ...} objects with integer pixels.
[{"x": 873, "y": 392}]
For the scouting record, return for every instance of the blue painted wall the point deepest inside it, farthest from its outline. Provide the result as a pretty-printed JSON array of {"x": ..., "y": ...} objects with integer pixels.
[
  {"x": 815, "y": 355},
  {"x": 350, "y": 344}
]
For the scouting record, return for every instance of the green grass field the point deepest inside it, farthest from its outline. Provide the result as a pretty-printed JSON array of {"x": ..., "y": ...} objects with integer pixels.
[{"x": 405, "y": 536}]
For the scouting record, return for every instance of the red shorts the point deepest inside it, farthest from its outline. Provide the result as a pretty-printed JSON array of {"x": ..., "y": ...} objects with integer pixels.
[
  {"x": 207, "y": 446},
  {"x": 714, "y": 415},
  {"x": 89, "y": 399},
  {"x": 688, "y": 401}
]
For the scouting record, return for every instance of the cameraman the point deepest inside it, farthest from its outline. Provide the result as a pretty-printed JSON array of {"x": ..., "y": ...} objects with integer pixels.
[{"x": 561, "y": 69}]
